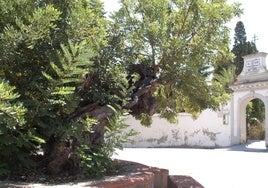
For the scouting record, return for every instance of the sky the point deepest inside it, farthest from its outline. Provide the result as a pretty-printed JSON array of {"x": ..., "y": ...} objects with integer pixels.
[
  {"x": 254, "y": 19},
  {"x": 255, "y": 22}
]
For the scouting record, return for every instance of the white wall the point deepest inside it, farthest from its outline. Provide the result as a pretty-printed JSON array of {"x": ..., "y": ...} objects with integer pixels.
[{"x": 208, "y": 131}]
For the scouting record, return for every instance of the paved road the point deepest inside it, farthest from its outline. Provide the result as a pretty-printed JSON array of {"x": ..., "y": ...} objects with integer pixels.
[{"x": 243, "y": 166}]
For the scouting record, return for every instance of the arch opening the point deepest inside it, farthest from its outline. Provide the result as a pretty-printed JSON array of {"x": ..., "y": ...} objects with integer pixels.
[
  {"x": 255, "y": 120},
  {"x": 242, "y": 117}
]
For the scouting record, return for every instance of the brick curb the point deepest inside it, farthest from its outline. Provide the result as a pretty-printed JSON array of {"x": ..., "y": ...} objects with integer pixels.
[
  {"x": 141, "y": 176},
  {"x": 183, "y": 182}
]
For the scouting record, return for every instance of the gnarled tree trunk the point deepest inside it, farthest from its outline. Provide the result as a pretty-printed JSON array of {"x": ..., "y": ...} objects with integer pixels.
[{"x": 61, "y": 156}]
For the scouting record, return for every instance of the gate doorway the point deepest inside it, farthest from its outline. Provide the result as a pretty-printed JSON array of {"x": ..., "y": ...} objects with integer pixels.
[
  {"x": 251, "y": 85},
  {"x": 255, "y": 119}
]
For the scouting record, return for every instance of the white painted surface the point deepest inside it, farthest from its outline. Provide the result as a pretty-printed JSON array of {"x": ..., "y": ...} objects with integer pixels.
[{"x": 206, "y": 131}]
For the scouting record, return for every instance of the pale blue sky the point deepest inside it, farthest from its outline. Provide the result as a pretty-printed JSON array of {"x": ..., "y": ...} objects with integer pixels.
[{"x": 255, "y": 19}]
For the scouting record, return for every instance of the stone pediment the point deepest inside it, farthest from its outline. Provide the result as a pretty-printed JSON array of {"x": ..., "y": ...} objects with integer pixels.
[
  {"x": 254, "y": 70},
  {"x": 249, "y": 86}
]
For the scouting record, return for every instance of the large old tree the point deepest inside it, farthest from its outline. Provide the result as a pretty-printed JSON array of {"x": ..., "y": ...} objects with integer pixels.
[{"x": 74, "y": 73}]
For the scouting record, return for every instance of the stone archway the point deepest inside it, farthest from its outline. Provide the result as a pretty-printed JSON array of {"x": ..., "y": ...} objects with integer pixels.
[
  {"x": 242, "y": 113},
  {"x": 251, "y": 83}
]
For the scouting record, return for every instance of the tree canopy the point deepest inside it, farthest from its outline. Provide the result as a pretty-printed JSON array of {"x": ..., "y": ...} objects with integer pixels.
[
  {"x": 180, "y": 41},
  {"x": 75, "y": 73}
]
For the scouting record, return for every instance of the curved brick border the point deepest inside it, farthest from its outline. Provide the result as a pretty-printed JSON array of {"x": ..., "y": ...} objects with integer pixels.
[
  {"x": 183, "y": 182},
  {"x": 135, "y": 175},
  {"x": 140, "y": 176}
]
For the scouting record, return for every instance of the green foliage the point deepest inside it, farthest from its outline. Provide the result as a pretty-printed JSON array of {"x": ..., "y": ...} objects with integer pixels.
[
  {"x": 46, "y": 49},
  {"x": 225, "y": 77},
  {"x": 74, "y": 62},
  {"x": 258, "y": 109},
  {"x": 17, "y": 140},
  {"x": 65, "y": 83},
  {"x": 241, "y": 47},
  {"x": 255, "y": 119},
  {"x": 256, "y": 132},
  {"x": 114, "y": 137},
  {"x": 60, "y": 56},
  {"x": 185, "y": 39},
  {"x": 96, "y": 160},
  {"x": 145, "y": 119}
]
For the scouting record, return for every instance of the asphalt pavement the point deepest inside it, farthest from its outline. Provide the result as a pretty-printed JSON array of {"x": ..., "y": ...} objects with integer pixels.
[{"x": 242, "y": 166}]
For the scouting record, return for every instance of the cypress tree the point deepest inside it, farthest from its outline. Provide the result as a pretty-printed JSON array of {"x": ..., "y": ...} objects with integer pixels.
[{"x": 241, "y": 47}]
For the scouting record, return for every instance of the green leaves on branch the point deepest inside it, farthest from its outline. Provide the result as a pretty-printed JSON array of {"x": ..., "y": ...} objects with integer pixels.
[
  {"x": 186, "y": 40},
  {"x": 74, "y": 62},
  {"x": 12, "y": 114},
  {"x": 16, "y": 138},
  {"x": 96, "y": 161},
  {"x": 67, "y": 75}
]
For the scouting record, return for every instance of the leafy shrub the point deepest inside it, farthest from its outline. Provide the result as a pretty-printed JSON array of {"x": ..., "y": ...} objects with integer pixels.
[
  {"x": 96, "y": 160},
  {"x": 17, "y": 141},
  {"x": 256, "y": 132}
]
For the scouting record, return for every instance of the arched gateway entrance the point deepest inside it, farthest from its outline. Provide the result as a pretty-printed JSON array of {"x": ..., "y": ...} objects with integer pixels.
[{"x": 251, "y": 83}]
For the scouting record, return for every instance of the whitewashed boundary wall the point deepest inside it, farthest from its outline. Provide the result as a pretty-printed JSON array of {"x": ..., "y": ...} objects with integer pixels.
[{"x": 211, "y": 129}]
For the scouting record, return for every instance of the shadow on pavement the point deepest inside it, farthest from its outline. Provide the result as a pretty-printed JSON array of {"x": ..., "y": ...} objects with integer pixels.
[{"x": 250, "y": 146}]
